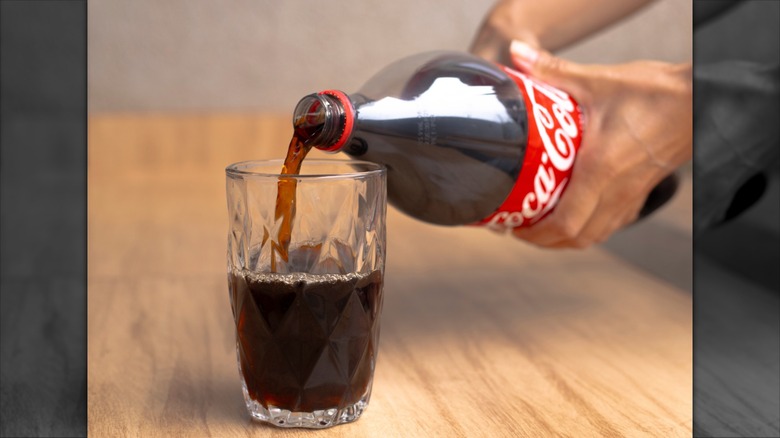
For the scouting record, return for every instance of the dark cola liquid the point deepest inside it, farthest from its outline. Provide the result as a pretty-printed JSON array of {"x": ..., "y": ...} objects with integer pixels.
[{"x": 307, "y": 342}]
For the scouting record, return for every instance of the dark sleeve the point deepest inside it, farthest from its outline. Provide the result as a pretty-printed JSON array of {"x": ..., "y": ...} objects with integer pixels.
[
  {"x": 707, "y": 10},
  {"x": 736, "y": 132}
]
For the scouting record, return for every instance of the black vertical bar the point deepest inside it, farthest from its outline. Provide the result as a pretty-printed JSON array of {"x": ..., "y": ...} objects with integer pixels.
[
  {"x": 737, "y": 251},
  {"x": 43, "y": 218}
]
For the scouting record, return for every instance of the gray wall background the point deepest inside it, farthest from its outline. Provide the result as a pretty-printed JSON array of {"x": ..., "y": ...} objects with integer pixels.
[{"x": 263, "y": 55}]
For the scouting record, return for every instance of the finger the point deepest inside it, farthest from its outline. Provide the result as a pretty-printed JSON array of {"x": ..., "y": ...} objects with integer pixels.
[
  {"x": 594, "y": 221},
  {"x": 558, "y": 72},
  {"x": 565, "y": 222},
  {"x": 524, "y": 56},
  {"x": 602, "y": 227},
  {"x": 618, "y": 207},
  {"x": 597, "y": 228}
]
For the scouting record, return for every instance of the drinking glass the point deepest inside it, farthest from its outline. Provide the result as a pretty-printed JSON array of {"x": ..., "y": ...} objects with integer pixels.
[{"x": 307, "y": 310}]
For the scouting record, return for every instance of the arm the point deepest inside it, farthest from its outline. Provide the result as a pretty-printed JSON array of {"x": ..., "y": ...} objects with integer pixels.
[{"x": 551, "y": 25}]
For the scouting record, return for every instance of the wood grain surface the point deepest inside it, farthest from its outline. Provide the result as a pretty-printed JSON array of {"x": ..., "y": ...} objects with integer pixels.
[{"x": 482, "y": 335}]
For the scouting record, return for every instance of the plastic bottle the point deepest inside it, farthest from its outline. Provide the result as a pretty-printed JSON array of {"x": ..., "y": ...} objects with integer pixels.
[{"x": 465, "y": 141}]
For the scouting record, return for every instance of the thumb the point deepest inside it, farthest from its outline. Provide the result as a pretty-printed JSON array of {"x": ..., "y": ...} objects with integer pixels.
[{"x": 542, "y": 65}]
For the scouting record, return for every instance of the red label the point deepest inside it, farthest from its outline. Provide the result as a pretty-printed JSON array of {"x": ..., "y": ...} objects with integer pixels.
[{"x": 554, "y": 136}]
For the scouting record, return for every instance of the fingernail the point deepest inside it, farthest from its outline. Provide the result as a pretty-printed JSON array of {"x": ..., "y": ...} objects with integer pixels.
[{"x": 523, "y": 54}]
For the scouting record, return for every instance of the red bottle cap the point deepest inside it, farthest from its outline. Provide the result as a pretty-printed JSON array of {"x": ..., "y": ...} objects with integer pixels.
[{"x": 349, "y": 120}]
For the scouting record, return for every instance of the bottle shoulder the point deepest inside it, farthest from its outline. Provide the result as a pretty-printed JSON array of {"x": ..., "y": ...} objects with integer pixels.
[{"x": 413, "y": 75}]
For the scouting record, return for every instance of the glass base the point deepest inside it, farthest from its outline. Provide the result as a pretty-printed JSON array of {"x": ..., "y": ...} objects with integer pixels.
[{"x": 320, "y": 419}]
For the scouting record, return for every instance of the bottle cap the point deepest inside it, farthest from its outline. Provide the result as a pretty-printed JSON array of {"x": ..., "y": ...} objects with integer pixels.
[{"x": 349, "y": 120}]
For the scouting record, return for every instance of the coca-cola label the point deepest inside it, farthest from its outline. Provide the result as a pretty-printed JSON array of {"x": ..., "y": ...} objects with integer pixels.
[{"x": 554, "y": 136}]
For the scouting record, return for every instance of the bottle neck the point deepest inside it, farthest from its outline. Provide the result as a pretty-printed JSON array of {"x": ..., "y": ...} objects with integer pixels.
[{"x": 324, "y": 120}]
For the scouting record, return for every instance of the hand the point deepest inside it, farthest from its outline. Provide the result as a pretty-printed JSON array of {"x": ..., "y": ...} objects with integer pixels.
[{"x": 638, "y": 128}]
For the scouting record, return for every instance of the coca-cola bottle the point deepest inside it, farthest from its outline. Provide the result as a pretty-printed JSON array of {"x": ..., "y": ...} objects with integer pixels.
[{"x": 465, "y": 141}]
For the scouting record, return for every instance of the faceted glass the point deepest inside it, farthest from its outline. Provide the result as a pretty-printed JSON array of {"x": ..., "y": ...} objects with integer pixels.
[{"x": 307, "y": 317}]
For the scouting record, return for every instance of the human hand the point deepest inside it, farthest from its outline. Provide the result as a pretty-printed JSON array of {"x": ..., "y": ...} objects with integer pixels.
[{"x": 637, "y": 130}]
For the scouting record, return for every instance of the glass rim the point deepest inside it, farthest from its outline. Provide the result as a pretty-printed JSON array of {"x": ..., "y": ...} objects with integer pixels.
[{"x": 243, "y": 169}]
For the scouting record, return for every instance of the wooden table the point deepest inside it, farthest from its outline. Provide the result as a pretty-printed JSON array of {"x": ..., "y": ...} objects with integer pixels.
[{"x": 482, "y": 335}]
